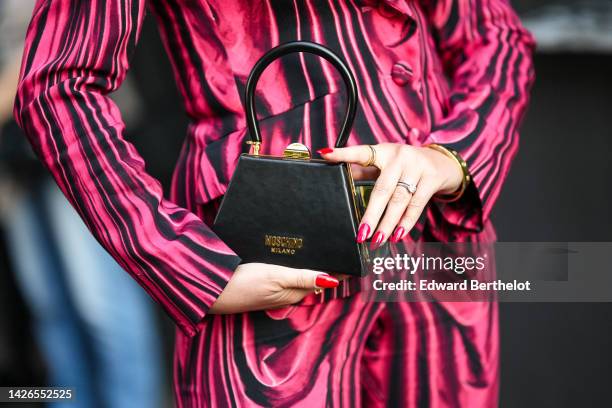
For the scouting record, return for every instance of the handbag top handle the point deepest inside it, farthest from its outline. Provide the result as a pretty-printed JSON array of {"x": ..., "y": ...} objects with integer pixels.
[{"x": 289, "y": 48}]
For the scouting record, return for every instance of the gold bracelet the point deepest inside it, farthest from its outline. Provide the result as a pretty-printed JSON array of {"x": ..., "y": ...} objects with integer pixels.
[{"x": 449, "y": 198}]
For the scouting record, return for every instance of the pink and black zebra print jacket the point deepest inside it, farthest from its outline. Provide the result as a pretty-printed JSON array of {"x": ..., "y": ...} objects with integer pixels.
[{"x": 454, "y": 72}]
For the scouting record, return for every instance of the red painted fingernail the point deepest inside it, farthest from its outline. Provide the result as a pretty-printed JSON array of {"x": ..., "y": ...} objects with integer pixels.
[
  {"x": 326, "y": 281},
  {"x": 377, "y": 239},
  {"x": 325, "y": 150},
  {"x": 362, "y": 234},
  {"x": 398, "y": 235}
]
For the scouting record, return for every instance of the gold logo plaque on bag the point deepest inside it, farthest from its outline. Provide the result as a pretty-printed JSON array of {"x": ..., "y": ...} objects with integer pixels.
[{"x": 282, "y": 245}]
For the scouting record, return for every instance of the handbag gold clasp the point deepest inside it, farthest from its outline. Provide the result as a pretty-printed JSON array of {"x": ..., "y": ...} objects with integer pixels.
[{"x": 297, "y": 151}]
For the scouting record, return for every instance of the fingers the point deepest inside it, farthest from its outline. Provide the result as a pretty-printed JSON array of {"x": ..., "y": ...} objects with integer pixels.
[
  {"x": 398, "y": 203},
  {"x": 354, "y": 154},
  {"x": 295, "y": 284},
  {"x": 392, "y": 210},
  {"x": 382, "y": 192},
  {"x": 307, "y": 279},
  {"x": 425, "y": 190}
]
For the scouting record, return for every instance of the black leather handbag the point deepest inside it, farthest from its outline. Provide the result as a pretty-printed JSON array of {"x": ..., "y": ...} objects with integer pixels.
[{"x": 293, "y": 210}]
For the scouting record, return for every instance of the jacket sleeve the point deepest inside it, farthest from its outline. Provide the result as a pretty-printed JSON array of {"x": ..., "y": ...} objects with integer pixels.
[
  {"x": 76, "y": 53},
  {"x": 487, "y": 56}
]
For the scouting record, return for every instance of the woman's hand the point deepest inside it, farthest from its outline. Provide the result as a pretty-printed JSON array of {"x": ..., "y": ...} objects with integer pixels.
[
  {"x": 257, "y": 286},
  {"x": 430, "y": 171}
]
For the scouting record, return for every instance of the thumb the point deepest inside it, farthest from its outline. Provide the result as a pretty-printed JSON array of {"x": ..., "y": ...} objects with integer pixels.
[{"x": 307, "y": 279}]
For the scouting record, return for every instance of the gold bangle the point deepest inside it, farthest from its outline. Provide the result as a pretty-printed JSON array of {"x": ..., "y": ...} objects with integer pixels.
[{"x": 449, "y": 198}]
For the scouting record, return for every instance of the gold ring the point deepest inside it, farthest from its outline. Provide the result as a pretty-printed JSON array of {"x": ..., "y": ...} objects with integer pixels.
[
  {"x": 317, "y": 291},
  {"x": 372, "y": 160}
]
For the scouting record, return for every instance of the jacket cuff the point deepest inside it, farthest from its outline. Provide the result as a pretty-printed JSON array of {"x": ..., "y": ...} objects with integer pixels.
[
  {"x": 190, "y": 322},
  {"x": 467, "y": 212}
]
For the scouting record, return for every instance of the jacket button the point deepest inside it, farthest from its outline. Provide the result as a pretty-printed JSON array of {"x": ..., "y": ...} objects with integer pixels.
[{"x": 402, "y": 73}]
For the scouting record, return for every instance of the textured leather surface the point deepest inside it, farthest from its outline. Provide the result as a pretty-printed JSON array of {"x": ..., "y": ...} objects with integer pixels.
[{"x": 309, "y": 200}]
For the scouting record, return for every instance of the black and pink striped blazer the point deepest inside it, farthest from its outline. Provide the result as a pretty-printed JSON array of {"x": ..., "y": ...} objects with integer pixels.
[{"x": 454, "y": 72}]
